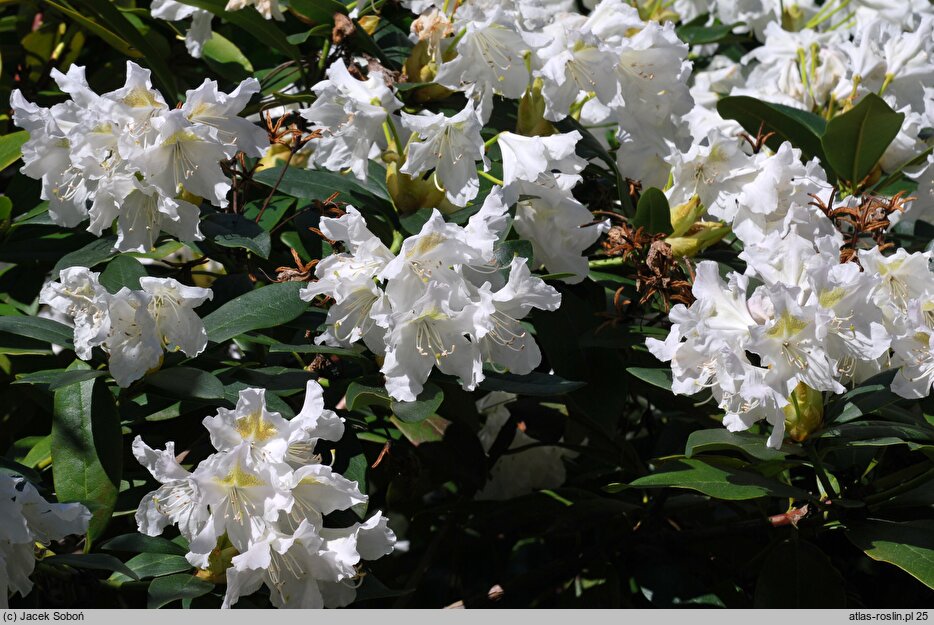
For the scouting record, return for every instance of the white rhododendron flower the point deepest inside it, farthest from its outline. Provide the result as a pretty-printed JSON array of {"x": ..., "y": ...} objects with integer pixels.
[
  {"x": 450, "y": 146},
  {"x": 133, "y": 326},
  {"x": 349, "y": 114},
  {"x": 126, "y": 156},
  {"x": 266, "y": 492},
  {"x": 27, "y": 519}
]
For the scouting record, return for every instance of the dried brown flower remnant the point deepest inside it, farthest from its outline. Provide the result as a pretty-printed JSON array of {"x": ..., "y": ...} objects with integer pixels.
[
  {"x": 301, "y": 272},
  {"x": 759, "y": 140},
  {"x": 343, "y": 28},
  {"x": 869, "y": 219},
  {"x": 661, "y": 274}
]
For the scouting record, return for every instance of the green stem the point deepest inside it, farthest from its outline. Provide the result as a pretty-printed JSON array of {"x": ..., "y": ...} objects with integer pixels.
[
  {"x": 607, "y": 262},
  {"x": 492, "y": 179},
  {"x": 821, "y": 472}
]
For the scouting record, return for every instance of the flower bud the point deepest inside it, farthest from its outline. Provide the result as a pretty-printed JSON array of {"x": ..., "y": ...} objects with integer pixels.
[
  {"x": 700, "y": 236},
  {"x": 804, "y": 413},
  {"x": 532, "y": 120}
]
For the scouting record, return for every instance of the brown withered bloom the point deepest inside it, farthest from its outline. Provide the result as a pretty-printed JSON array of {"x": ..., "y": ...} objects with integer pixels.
[{"x": 869, "y": 220}]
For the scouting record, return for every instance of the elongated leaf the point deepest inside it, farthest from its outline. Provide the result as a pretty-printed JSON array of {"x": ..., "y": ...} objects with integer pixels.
[
  {"x": 318, "y": 10},
  {"x": 425, "y": 405},
  {"x": 186, "y": 382},
  {"x": 97, "y": 251},
  {"x": 719, "y": 439},
  {"x": 92, "y": 561},
  {"x": 360, "y": 395},
  {"x": 717, "y": 481},
  {"x": 122, "y": 271},
  {"x": 118, "y": 23},
  {"x": 534, "y": 384},
  {"x": 229, "y": 230},
  {"x": 266, "y": 307},
  {"x": 10, "y": 147},
  {"x": 653, "y": 212},
  {"x": 74, "y": 377},
  {"x": 165, "y": 590},
  {"x": 866, "y": 399},
  {"x": 656, "y": 377},
  {"x": 430, "y": 430},
  {"x": 317, "y": 184},
  {"x": 140, "y": 543},
  {"x": 804, "y": 130},
  {"x": 855, "y": 141},
  {"x": 38, "y": 328},
  {"x": 114, "y": 40},
  {"x": 146, "y": 565},
  {"x": 909, "y": 546},
  {"x": 87, "y": 448}
]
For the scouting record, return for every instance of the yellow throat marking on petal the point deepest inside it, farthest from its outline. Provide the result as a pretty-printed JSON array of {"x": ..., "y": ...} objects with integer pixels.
[
  {"x": 427, "y": 243},
  {"x": 140, "y": 97},
  {"x": 239, "y": 478},
  {"x": 786, "y": 325},
  {"x": 254, "y": 427},
  {"x": 831, "y": 297}
]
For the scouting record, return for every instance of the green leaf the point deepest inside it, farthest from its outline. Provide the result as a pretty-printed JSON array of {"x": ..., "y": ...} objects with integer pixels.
[
  {"x": 856, "y": 140},
  {"x": 222, "y": 50},
  {"x": 318, "y": 10},
  {"x": 10, "y": 147},
  {"x": 656, "y": 377},
  {"x": 122, "y": 271},
  {"x": 118, "y": 23},
  {"x": 41, "y": 451},
  {"x": 165, "y": 590},
  {"x": 187, "y": 382},
  {"x": 251, "y": 22},
  {"x": 796, "y": 574},
  {"x": 909, "y": 546},
  {"x": 425, "y": 405},
  {"x": 430, "y": 430},
  {"x": 38, "y": 328},
  {"x": 653, "y": 212},
  {"x": 361, "y": 395},
  {"x": 700, "y": 34},
  {"x": 868, "y": 398},
  {"x": 266, "y": 307},
  {"x": 801, "y": 128},
  {"x": 87, "y": 448},
  {"x": 897, "y": 174},
  {"x": 719, "y": 482},
  {"x": 316, "y": 184},
  {"x": 147, "y": 565},
  {"x": 95, "y": 252},
  {"x": 74, "y": 377},
  {"x": 140, "y": 543},
  {"x": 719, "y": 439},
  {"x": 230, "y": 230},
  {"x": 534, "y": 384},
  {"x": 112, "y": 39},
  {"x": 92, "y": 561}
]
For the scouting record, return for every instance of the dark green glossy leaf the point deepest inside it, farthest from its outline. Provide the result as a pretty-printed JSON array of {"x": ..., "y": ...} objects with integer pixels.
[
  {"x": 95, "y": 252},
  {"x": 165, "y": 590},
  {"x": 87, "y": 448},
  {"x": 187, "y": 382},
  {"x": 230, "y": 230},
  {"x": 534, "y": 384},
  {"x": 909, "y": 546},
  {"x": 92, "y": 561},
  {"x": 804, "y": 130},
  {"x": 653, "y": 212},
  {"x": 10, "y": 147},
  {"x": 720, "y": 482},
  {"x": 140, "y": 543},
  {"x": 719, "y": 439},
  {"x": 38, "y": 328},
  {"x": 122, "y": 271},
  {"x": 146, "y": 565},
  {"x": 425, "y": 405},
  {"x": 265, "y": 307},
  {"x": 656, "y": 377},
  {"x": 856, "y": 140}
]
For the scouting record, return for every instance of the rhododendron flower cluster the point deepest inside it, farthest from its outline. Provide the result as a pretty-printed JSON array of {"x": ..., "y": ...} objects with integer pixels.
[
  {"x": 127, "y": 156},
  {"x": 28, "y": 520},
  {"x": 441, "y": 302},
  {"x": 134, "y": 327},
  {"x": 261, "y": 501}
]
